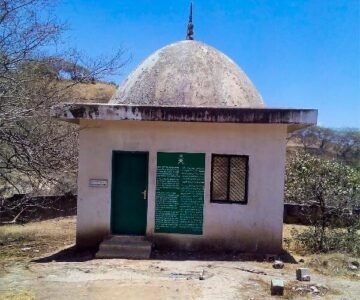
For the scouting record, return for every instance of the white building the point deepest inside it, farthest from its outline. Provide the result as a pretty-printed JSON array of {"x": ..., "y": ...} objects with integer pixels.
[{"x": 185, "y": 154}]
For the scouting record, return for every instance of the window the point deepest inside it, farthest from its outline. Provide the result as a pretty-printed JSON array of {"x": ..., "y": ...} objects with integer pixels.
[{"x": 229, "y": 178}]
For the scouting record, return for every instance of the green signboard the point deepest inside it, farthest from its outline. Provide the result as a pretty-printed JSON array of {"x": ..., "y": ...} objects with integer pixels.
[{"x": 179, "y": 193}]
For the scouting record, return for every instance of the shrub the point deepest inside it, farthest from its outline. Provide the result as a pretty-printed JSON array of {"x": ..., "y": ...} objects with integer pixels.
[{"x": 333, "y": 189}]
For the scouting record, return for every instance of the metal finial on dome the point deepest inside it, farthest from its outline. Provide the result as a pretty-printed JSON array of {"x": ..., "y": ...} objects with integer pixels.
[{"x": 190, "y": 28}]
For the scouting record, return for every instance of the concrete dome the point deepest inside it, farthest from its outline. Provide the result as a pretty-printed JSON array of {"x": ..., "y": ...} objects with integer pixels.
[{"x": 188, "y": 73}]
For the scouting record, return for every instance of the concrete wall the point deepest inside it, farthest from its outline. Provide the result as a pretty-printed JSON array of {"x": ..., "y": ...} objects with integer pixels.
[
  {"x": 310, "y": 214},
  {"x": 254, "y": 227},
  {"x": 40, "y": 207}
]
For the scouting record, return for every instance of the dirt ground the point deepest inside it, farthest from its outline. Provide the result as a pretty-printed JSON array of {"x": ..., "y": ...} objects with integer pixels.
[{"x": 34, "y": 264}]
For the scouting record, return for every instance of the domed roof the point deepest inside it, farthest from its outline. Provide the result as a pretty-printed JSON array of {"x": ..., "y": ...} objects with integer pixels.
[{"x": 188, "y": 73}]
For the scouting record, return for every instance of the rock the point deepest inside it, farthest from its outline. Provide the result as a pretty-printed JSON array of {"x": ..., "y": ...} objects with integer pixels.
[
  {"x": 322, "y": 286},
  {"x": 353, "y": 267},
  {"x": 26, "y": 249},
  {"x": 314, "y": 290},
  {"x": 277, "y": 287},
  {"x": 355, "y": 263},
  {"x": 278, "y": 264},
  {"x": 311, "y": 289},
  {"x": 303, "y": 274},
  {"x": 202, "y": 275},
  {"x": 301, "y": 260}
]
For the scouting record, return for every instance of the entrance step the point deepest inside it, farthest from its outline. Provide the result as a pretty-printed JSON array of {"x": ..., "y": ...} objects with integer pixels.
[{"x": 124, "y": 246}]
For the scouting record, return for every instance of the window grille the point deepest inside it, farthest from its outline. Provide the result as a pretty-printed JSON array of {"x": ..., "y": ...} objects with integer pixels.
[{"x": 229, "y": 178}]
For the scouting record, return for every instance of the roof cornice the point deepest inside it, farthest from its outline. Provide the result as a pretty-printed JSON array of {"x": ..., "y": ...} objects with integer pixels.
[{"x": 295, "y": 118}]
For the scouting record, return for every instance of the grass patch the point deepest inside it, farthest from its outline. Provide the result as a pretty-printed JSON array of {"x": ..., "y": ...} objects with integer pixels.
[
  {"x": 288, "y": 238},
  {"x": 18, "y": 295},
  {"x": 333, "y": 264},
  {"x": 296, "y": 289},
  {"x": 329, "y": 264},
  {"x": 12, "y": 243},
  {"x": 93, "y": 93},
  {"x": 24, "y": 242}
]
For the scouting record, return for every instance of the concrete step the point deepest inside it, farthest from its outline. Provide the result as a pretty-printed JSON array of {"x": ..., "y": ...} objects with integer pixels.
[
  {"x": 125, "y": 252},
  {"x": 124, "y": 239},
  {"x": 125, "y": 247},
  {"x": 133, "y": 247}
]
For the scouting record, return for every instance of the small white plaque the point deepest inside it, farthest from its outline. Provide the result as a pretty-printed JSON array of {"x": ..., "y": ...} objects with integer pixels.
[{"x": 95, "y": 182}]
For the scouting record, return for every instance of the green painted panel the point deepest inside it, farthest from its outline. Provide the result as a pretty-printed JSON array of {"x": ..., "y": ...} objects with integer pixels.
[
  {"x": 129, "y": 203},
  {"x": 179, "y": 199}
]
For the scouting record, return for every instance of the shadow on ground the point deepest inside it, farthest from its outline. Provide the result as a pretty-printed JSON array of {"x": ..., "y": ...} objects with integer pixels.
[
  {"x": 69, "y": 254},
  {"x": 160, "y": 254},
  {"x": 74, "y": 254}
]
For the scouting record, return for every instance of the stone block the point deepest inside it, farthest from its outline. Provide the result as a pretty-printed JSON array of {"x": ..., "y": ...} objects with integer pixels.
[
  {"x": 277, "y": 287},
  {"x": 278, "y": 264},
  {"x": 303, "y": 274}
]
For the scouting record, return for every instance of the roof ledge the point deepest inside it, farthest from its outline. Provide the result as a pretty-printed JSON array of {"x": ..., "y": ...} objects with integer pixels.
[{"x": 295, "y": 118}]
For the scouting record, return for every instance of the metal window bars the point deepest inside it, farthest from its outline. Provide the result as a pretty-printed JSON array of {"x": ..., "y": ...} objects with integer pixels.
[{"x": 229, "y": 178}]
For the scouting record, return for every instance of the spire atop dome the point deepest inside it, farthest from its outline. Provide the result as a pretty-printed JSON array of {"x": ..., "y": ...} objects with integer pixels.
[{"x": 190, "y": 28}]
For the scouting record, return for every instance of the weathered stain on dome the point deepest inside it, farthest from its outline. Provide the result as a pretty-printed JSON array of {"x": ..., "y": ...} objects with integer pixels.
[{"x": 188, "y": 73}]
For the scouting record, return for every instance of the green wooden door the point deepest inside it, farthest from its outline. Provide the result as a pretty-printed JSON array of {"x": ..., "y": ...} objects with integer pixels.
[{"x": 129, "y": 193}]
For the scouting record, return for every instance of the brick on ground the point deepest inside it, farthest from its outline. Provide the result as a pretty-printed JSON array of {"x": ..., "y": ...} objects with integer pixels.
[
  {"x": 277, "y": 287},
  {"x": 303, "y": 274}
]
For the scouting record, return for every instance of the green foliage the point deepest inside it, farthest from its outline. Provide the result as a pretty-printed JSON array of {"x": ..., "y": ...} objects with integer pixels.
[
  {"x": 313, "y": 180},
  {"x": 314, "y": 239},
  {"x": 342, "y": 144},
  {"x": 333, "y": 189}
]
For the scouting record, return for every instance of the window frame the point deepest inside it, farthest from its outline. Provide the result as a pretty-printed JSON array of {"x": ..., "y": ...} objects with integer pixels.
[{"x": 229, "y": 156}]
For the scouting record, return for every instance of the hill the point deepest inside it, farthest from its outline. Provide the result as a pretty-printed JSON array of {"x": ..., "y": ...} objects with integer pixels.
[
  {"x": 99, "y": 92},
  {"x": 340, "y": 144}
]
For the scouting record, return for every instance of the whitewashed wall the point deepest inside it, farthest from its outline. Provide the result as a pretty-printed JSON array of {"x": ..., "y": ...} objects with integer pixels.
[{"x": 255, "y": 227}]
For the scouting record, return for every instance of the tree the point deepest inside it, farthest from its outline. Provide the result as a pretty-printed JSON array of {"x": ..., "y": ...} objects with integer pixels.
[
  {"x": 342, "y": 144},
  {"x": 347, "y": 146},
  {"x": 334, "y": 189},
  {"x": 37, "y": 154}
]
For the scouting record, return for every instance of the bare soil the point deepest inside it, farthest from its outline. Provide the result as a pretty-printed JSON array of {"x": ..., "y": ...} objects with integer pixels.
[{"x": 58, "y": 272}]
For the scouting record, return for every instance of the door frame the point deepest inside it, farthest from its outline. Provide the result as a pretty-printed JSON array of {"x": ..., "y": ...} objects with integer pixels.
[{"x": 114, "y": 152}]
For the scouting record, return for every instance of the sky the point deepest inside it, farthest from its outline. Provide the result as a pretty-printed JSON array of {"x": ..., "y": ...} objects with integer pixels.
[{"x": 298, "y": 53}]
